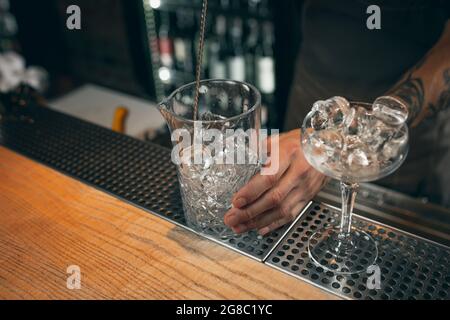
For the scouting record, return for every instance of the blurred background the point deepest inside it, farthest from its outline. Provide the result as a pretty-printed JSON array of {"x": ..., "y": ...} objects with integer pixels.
[
  {"x": 135, "y": 52},
  {"x": 130, "y": 54}
]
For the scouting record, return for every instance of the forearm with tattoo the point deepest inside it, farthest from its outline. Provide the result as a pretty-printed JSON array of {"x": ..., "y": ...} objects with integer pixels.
[{"x": 426, "y": 88}]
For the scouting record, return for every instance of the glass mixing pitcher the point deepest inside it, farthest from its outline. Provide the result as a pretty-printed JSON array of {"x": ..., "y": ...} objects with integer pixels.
[{"x": 217, "y": 154}]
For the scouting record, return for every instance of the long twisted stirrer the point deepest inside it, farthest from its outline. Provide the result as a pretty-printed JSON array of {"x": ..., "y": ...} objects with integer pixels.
[{"x": 200, "y": 56}]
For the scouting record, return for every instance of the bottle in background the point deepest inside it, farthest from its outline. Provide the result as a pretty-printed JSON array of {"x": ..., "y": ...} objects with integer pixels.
[
  {"x": 8, "y": 28},
  {"x": 165, "y": 44},
  {"x": 251, "y": 44},
  {"x": 182, "y": 43},
  {"x": 265, "y": 67},
  {"x": 238, "y": 45},
  {"x": 236, "y": 60},
  {"x": 218, "y": 50}
]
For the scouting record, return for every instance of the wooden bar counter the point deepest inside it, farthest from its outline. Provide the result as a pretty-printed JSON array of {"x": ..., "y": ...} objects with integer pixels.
[{"x": 49, "y": 222}]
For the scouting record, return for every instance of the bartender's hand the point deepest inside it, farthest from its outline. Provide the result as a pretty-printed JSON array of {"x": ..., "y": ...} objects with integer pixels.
[{"x": 270, "y": 201}]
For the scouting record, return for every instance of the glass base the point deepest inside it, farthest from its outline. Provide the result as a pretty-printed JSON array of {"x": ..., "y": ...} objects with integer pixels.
[
  {"x": 342, "y": 255},
  {"x": 218, "y": 230}
]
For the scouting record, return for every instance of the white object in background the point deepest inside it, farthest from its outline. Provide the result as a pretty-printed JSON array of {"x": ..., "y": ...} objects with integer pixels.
[
  {"x": 36, "y": 77},
  {"x": 12, "y": 67},
  {"x": 266, "y": 75},
  {"x": 13, "y": 72},
  {"x": 97, "y": 105},
  {"x": 236, "y": 67}
]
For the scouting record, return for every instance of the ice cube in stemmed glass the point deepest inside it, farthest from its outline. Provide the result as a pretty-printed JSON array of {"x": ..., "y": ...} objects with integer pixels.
[{"x": 352, "y": 142}]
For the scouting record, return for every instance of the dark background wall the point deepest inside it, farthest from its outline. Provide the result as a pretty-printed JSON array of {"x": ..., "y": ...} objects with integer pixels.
[
  {"x": 112, "y": 48},
  {"x": 108, "y": 50}
]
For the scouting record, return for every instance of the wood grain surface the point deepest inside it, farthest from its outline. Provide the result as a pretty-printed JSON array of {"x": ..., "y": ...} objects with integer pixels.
[{"x": 49, "y": 221}]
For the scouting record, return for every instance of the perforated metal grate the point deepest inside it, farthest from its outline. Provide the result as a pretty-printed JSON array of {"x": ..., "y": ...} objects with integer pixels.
[
  {"x": 143, "y": 175},
  {"x": 411, "y": 267},
  {"x": 138, "y": 172}
]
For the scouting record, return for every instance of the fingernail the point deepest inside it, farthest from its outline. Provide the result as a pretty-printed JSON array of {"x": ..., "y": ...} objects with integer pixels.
[
  {"x": 264, "y": 231},
  {"x": 239, "y": 202},
  {"x": 239, "y": 228},
  {"x": 230, "y": 219}
]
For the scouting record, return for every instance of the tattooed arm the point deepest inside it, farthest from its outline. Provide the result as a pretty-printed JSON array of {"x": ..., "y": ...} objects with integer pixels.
[{"x": 426, "y": 87}]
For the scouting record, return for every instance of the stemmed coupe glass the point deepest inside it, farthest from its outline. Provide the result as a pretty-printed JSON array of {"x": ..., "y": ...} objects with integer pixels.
[{"x": 352, "y": 142}]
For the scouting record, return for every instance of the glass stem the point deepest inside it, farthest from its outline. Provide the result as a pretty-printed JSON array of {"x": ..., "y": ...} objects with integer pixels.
[{"x": 348, "y": 191}]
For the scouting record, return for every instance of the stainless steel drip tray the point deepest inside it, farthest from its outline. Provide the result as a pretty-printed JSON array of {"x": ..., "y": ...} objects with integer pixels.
[
  {"x": 395, "y": 209},
  {"x": 142, "y": 174},
  {"x": 410, "y": 267},
  {"x": 134, "y": 171}
]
